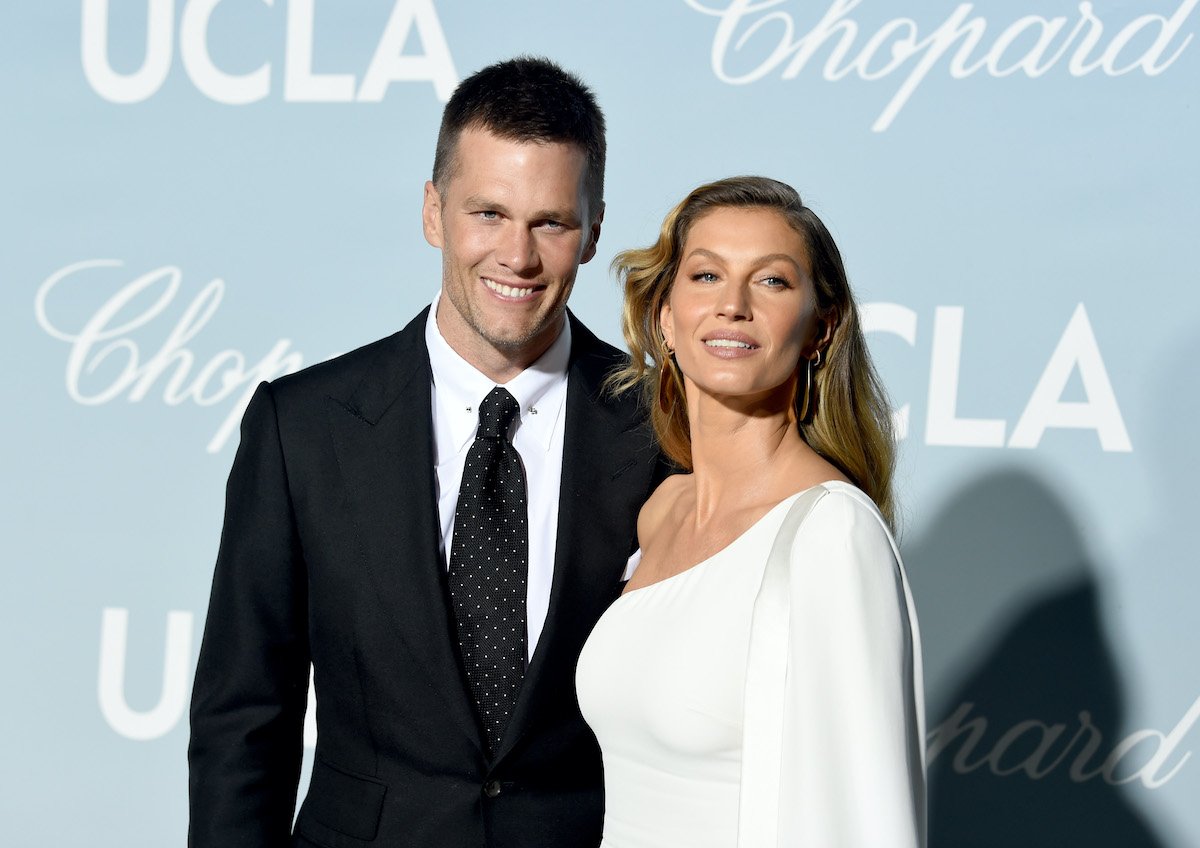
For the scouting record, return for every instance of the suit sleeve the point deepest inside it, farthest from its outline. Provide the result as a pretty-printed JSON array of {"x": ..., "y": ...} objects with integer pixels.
[
  {"x": 251, "y": 686},
  {"x": 852, "y": 770}
]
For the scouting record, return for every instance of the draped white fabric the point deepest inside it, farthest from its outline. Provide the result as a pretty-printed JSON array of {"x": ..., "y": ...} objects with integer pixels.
[{"x": 790, "y": 714}]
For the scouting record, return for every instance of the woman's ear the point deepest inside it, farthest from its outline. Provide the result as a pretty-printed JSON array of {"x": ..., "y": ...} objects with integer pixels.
[
  {"x": 826, "y": 324},
  {"x": 665, "y": 326}
]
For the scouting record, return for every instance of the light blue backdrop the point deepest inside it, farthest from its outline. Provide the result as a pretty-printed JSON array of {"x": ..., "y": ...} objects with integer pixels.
[{"x": 197, "y": 195}]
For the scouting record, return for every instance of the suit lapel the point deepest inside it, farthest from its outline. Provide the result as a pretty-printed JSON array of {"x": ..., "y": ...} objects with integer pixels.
[
  {"x": 383, "y": 435},
  {"x": 606, "y": 454}
]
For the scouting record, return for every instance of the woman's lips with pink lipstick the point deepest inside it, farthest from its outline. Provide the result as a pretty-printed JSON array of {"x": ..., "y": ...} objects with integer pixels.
[{"x": 729, "y": 344}]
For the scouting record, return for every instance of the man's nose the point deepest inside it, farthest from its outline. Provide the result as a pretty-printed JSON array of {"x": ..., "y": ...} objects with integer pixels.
[{"x": 518, "y": 250}]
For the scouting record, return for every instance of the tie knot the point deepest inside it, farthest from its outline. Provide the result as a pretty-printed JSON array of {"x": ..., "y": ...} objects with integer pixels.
[{"x": 496, "y": 414}]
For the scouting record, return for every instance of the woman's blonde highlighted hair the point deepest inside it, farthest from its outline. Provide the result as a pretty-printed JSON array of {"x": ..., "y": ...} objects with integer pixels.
[{"x": 849, "y": 422}]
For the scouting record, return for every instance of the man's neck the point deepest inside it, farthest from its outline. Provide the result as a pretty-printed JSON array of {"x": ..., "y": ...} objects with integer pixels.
[{"x": 498, "y": 364}]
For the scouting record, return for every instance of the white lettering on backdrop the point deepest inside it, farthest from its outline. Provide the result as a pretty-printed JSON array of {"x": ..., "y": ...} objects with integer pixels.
[
  {"x": 163, "y": 717},
  {"x": 1051, "y": 752},
  {"x": 157, "y": 721},
  {"x": 1081, "y": 753},
  {"x": 1077, "y": 350},
  {"x": 300, "y": 83},
  {"x": 107, "y": 334},
  {"x": 1032, "y": 45}
]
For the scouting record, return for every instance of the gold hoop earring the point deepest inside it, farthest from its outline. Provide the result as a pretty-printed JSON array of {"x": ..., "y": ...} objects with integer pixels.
[
  {"x": 808, "y": 407},
  {"x": 669, "y": 384}
]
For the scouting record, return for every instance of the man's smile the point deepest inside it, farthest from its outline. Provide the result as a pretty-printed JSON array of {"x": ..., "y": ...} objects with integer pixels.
[{"x": 510, "y": 292}]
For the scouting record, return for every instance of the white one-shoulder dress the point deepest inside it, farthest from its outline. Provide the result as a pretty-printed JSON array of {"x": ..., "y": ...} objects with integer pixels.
[{"x": 662, "y": 681}]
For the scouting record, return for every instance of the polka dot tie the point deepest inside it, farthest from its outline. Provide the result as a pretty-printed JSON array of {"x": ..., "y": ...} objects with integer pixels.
[{"x": 489, "y": 564}]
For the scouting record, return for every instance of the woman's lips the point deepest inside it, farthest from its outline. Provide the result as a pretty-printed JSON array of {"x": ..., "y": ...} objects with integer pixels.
[{"x": 729, "y": 344}]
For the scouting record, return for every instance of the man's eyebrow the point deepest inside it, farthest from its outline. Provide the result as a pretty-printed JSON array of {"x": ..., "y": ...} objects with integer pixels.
[
  {"x": 563, "y": 216},
  {"x": 478, "y": 201}
]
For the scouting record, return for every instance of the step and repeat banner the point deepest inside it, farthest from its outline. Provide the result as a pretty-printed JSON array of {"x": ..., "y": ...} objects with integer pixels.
[{"x": 201, "y": 195}]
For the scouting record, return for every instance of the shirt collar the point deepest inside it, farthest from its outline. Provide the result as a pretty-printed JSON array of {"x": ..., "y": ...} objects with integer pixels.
[{"x": 459, "y": 387}]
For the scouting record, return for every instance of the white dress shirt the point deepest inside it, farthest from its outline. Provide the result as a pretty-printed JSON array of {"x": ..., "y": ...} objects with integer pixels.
[{"x": 541, "y": 390}]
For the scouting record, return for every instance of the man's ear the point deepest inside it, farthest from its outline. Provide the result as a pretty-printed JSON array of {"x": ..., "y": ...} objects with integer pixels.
[
  {"x": 593, "y": 237},
  {"x": 431, "y": 215}
]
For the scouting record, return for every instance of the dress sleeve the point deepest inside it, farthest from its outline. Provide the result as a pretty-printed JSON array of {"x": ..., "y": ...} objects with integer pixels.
[{"x": 852, "y": 766}]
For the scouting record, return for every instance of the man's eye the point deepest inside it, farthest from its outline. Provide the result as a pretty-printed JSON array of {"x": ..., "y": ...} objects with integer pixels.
[
  {"x": 488, "y": 214},
  {"x": 553, "y": 225}
]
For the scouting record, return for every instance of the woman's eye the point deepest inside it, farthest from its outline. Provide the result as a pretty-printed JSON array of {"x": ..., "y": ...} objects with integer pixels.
[
  {"x": 777, "y": 282},
  {"x": 705, "y": 277}
]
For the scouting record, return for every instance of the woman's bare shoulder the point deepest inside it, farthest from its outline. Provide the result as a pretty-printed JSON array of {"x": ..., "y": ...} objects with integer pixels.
[{"x": 661, "y": 503}]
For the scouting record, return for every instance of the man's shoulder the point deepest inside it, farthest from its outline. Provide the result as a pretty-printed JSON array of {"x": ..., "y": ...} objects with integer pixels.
[
  {"x": 594, "y": 360},
  {"x": 586, "y": 343},
  {"x": 340, "y": 376}
]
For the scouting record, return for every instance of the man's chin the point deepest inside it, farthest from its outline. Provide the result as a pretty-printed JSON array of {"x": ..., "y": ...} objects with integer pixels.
[
  {"x": 512, "y": 344},
  {"x": 520, "y": 343}
]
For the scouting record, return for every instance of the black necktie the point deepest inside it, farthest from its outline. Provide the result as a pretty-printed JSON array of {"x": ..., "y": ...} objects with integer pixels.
[{"x": 489, "y": 565}]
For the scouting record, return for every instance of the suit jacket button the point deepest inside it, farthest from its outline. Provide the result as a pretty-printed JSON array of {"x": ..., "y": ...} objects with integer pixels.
[{"x": 491, "y": 788}]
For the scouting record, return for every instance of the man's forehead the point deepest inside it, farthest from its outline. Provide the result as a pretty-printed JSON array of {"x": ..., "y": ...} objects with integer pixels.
[
  {"x": 475, "y": 143},
  {"x": 481, "y": 146},
  {"x": 486, "y": 163}
]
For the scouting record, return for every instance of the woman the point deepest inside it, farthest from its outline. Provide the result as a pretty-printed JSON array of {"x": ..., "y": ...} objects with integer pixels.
[{"x": 811, "y": 732}]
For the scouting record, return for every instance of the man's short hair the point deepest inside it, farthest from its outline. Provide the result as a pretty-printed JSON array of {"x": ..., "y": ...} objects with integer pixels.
[{"x": 527, "y": 99}]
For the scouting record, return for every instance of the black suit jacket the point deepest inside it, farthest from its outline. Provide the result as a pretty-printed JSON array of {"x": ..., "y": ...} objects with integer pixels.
[{"x": 330, "y": 555}]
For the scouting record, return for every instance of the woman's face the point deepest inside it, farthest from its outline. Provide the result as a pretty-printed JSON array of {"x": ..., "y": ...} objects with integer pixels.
[{"x": 742, "y": 309}]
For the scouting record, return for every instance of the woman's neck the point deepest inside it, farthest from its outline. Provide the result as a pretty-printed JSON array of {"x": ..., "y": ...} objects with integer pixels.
[{"x": 742, "y": 453}]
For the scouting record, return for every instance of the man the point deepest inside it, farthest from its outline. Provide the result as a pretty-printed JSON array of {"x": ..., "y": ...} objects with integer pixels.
[{"x": 435, "y": 522}]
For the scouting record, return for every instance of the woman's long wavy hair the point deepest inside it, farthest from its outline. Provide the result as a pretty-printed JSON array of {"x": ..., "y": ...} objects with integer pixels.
[{"x": 849, "y": 421}]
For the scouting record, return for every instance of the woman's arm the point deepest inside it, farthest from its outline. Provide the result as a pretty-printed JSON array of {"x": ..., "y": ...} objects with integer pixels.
[{"x": 852, "y": 771}]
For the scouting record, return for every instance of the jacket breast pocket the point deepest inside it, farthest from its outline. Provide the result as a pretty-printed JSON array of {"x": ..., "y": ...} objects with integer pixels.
[{"x": 340, "y": 804}]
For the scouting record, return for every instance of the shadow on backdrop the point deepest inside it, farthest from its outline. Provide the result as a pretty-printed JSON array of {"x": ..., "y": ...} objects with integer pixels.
[{"x": 1019, "y": 675}]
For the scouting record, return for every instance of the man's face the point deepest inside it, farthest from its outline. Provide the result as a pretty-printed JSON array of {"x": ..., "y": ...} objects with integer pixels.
[{"x": 513, "y": 226}]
